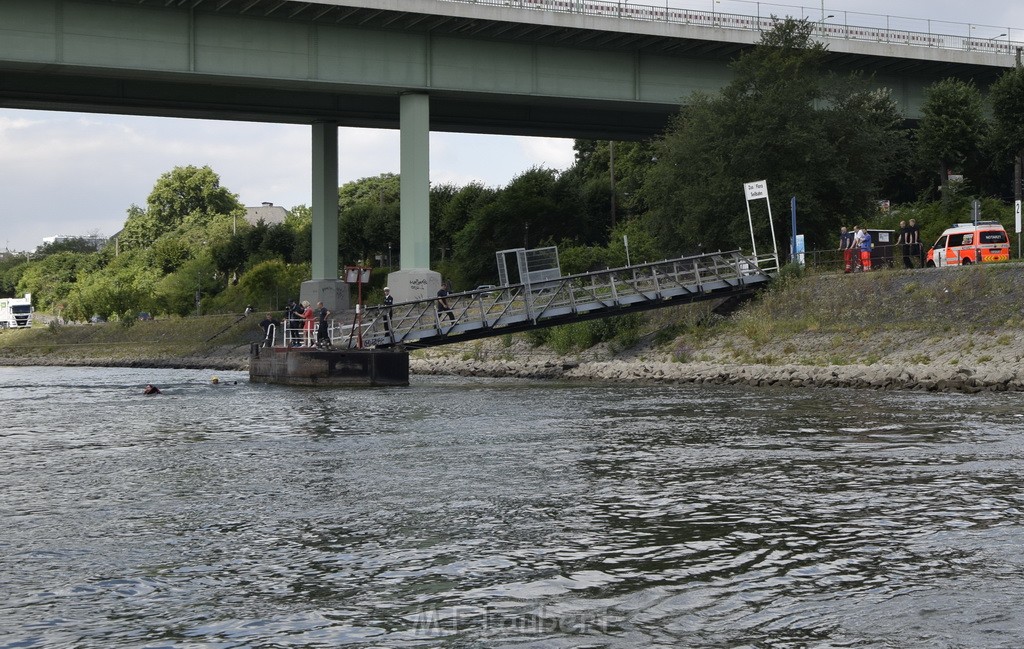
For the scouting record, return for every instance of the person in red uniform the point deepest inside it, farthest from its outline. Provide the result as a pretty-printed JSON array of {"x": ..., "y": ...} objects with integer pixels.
[
  {"x": 865, "y": 250},
  {"x": 846, "y": 245},
  {"x": 308, "y": 317}
]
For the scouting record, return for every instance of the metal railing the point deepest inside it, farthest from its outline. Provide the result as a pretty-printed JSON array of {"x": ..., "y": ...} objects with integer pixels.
[
  {"x": 508, "y": 309},
  {"x": 875, "y": 28},
  {"x": 293, "y": 334},
  {"x": 884, "y": 256}
]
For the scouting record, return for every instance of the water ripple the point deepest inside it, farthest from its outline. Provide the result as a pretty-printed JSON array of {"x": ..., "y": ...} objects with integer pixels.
[{"x": 488, "y": 513}]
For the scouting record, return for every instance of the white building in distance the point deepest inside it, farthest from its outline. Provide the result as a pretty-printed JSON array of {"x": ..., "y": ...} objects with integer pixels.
[
  {"x": 270, "y": 214},
  {"x": 96, "y": 242}
]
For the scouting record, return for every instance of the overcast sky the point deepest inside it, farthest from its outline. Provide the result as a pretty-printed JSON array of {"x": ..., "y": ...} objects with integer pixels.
[{"x": 76, "y": 174}]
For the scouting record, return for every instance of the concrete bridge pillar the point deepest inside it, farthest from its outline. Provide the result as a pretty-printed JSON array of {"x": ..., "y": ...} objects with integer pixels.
[
  {"x": 414, "y": 280},
  {"x": 325, "y": 286}
]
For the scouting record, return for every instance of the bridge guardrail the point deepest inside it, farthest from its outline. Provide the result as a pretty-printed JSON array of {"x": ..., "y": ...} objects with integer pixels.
[{"x": 758, "y": 23}]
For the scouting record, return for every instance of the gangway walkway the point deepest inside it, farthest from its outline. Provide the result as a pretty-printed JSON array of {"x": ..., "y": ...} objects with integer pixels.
[{"x": 521, "y": 307}]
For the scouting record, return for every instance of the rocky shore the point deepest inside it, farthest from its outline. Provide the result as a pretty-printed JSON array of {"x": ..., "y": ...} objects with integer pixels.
[
  {"x": 539, "y": 364},
  {"x": 877, "y": 376}
]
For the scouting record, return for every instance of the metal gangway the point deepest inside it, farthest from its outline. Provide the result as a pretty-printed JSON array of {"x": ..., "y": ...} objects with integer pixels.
[{"x": 520, "y": 307}]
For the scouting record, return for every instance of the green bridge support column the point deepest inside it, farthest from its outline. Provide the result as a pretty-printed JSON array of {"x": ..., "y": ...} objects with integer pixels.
[
  {"x": 325, "y": 286},
  {"x": 325, "y": 200},
  {"x": 415, "y": 280}
]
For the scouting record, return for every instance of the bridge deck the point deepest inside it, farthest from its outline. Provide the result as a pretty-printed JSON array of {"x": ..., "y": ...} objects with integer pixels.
[{"x": 520, "y": 307}]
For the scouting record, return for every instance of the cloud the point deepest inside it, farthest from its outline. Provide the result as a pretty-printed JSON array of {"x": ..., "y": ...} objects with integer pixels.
[{"x": 74, "y": 174}]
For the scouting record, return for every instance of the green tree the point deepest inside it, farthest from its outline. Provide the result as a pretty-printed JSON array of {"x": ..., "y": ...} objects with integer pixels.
[
  {"x": 1007, "y": 98},
  {"x": 140, "y": 230},
  {"x": 176, "y": 293},
  {"x": 52, "y": 279},
  {"x": 522, "y": 214},
  {"x": 11, "y": 271},
  {"x": 952, "y": 128},
  {"x": 184, "y": 196},
  {"x": 602, "y": 165},
  {"x": 298, "y": 217},
  {"x": 270, "y": 284},
  {"x": 169, "y": 253},
  {"x": 229, "y": 256},
  {"x": 125, "y": 285},
  {"x": 826, "y": 140},
  {"x": 368, "y": 218},
  {"x": 381, "y": 190}
]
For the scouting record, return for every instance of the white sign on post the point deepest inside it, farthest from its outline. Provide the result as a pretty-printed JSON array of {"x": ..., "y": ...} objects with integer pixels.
[
  {"x": 757, "y": 189},
  {"x": 1016, "y": 211}
]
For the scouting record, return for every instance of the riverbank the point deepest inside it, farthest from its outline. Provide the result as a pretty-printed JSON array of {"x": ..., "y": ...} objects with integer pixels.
[
  {"x": 219, "y": 342},
  {"x": 949, "y": 330},
  {"x": 984, "y": 377},
  {"x": 952, "y": 330}
]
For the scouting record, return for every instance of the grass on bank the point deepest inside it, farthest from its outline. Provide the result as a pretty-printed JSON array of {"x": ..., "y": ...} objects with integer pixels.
[
  {"x": 167, "y": 338},
  {"x": 867, "y": 317}
]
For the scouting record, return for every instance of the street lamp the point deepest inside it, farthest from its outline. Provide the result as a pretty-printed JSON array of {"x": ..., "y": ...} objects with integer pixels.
[
  {"x": 995, "y": 37},
  {"x": 821, "y": 26}
]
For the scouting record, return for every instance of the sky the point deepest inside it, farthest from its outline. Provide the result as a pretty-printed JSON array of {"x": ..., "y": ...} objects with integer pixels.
[{"x": 77, "y": 174}]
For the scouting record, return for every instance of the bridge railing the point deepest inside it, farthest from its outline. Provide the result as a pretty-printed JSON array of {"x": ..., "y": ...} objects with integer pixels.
[
  {"x": 521, "y": 306},
  {"x": 970, "y": 37}
]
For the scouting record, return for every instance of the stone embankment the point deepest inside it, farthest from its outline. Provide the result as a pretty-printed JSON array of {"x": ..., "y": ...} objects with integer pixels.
[
  {"x": 941, "y": 330},
  {"x": 878, "y": 376}
]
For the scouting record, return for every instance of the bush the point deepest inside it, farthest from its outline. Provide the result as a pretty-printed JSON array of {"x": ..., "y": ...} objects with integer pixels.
[{"x": 622, "y": 332}]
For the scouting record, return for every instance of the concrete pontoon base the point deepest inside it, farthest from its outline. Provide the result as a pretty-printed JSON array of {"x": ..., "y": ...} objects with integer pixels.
[{"x": 348, "y": 367}]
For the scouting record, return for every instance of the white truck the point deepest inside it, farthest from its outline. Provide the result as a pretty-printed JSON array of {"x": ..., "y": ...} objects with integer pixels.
[{"x": 16, "y": 312}]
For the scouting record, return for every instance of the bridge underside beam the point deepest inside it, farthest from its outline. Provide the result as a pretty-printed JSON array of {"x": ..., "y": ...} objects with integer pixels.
[{"x": 105, "y": 92}]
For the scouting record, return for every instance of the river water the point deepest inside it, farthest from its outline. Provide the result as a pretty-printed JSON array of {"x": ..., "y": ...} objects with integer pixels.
[{"x": 499, "y": 513}]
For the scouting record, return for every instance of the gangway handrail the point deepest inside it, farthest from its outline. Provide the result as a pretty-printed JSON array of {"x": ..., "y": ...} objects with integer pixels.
[{"x": 493, "y": 311}]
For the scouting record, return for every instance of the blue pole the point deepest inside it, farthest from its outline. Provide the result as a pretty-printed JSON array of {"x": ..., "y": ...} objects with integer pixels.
[{"x": 792, "y": 247}]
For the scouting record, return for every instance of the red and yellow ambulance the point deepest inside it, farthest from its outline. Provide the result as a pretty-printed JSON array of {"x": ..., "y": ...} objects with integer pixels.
[{"x": 970, "y": 243}]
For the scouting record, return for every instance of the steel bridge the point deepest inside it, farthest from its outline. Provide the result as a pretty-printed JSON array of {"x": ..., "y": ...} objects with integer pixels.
[{"x": 521, "y": 307}]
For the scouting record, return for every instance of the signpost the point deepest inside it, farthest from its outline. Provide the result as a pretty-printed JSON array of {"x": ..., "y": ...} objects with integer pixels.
[
  {"x": 357, "y": 275},
  {"x": 1016, "y": 211},
  {"x": 757, "y": 190}
]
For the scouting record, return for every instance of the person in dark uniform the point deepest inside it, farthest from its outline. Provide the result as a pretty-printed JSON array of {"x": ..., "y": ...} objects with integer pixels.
[
  {"x": 323, "y": 334},
  {"x": 269, "y": 325},
  {"x": 293, "y": 323},
  {"x": 915, "y": 240},
  {"x": 151, "y": 389},
  {"x": 388, "y": 301},
  {"x": 443, "y": 308},
  {"x": 906, "y": 247}
]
